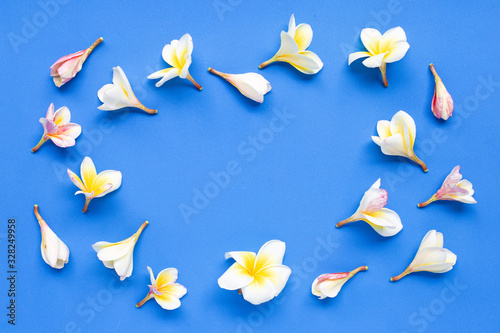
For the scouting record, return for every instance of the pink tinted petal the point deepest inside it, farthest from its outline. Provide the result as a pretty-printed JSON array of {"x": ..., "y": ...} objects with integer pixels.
[
  {"x": 71, "y": 130},
  {"x": 378, "y": 202},
  {"x": 50, "y": 112},
  {"x": 62, "y": 116},
  {"x": 332, "y": 276},
  {"x": 63, "y": 141},
  {"x": 54, "y": 68},
  {"x": 450, "y": 183},
  {"x": 50, "y": 126}
]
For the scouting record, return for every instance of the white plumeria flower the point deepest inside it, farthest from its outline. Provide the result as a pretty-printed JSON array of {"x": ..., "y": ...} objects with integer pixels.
[
  {"x": 453, "y": 188},
  {"x": 259, "y": 277},
  {"x": 390, "y": 47},
  {"x": 178, "y": 55},
  {"x": 119, "y": 256},
  {"x": 293, "y": 49},
  {"x": 94, "y": 185},
  {"x": 164, "y": 290},
  {"x": 54, "y": 252},
  {"x": 430, "y": 257},
  {"x": 251, "y": 85},
  {"x": 397, "y": 137},
  {"x": 120, "y": 95},
  {"x": 371, "y": 210},
  {"x": 329, "y": 285}
]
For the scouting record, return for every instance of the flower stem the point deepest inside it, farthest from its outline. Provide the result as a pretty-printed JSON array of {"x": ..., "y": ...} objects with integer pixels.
[
  {"x": 141, "y": 228},
  {"x": 341, "y": 223},
  {"x": 419, "y": 162},
  {"x": 190, "y": 78},
  {"x": 87, "y": 201},
  {"x": 265, "y": 63},
  {"x": 359, "y": 269},
  {"x": 37, "y": 214},
  {"x": 141, "y": 303},
  {"x": 384, "y": 75},
  {"x": 150, "y": 111},
  {"x": 40, "y": 143},
  {"x": 400, "y": 276},
  {"x": 216, "y": 72},
  {"x": 423, "y": 204},
  {"x": 92, "y": 47},
  {"x": 433, "y": 70}
]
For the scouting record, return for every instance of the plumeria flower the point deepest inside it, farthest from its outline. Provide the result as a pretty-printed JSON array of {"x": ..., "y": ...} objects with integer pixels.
[
  {"x": 371, "y": 210},
  {"x": 430, "y": 257},
  {"x": 68, "y": 66},
  {"x": 329, "y": 285},
  {"x": 56, "y": 127},
  {"x": 390, "y": 47},
  {"x": 178, "y": 55},
  {"x": 259, "y": 277},
  {"x": 442, "y": 103},
  {"x": 94, "y": 185},
  {"x": 119, "y": 94},
  {"x": 293, "y": 49},
  {"x": 164, "y": 289},
  {"x": 251, "y": 85},
  {"x": 453, "y": 188},
  {"x": 119, "y": 256},
  {"x": 54, "y": 252},
  {"x": 397, "y": 137}
]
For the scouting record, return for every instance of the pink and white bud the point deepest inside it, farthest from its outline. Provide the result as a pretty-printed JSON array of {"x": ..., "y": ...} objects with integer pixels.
[
  {"x": 68, "y": 66},
  {"x": 329, "y": 285},
  {"x": 442, "y": 103}
]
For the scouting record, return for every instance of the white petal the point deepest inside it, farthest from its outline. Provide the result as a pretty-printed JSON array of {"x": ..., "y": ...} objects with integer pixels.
[
  {"x": 428, "y": 256},
  {"x": 151, "y": 276},
  {"x": 271, "y": 253},
  {"x": 88, "y": 172},
  {"x": 432, "y": 239},
  {"x": 169, "y": 54},
  {"x": 170, "y": 74},
  {"x": 374, "y": 61},
  {"x": 384, "y": 218},
  {"x": 303, "y": 36},
  {"x": 384, "y": 129},
  {"x": 393, "y": 145},
  {"x": 288, "y": 45},
  {"x": 235, "y": 277},
  {"x": 306, "y": 62},
  {"x": 117, "y": 250},
  {"x": 396, "y": 52},
  {"x": 356, "y": 55},
  {"x": 291, "y": 26},
  {"x": 120, "y": 79},
  {"x": 397, "y": 126},
  {"x": 372, "y": 194},
  {"x": 124, "y": 266},
  {"x": 259, "y": 291},
  {"x": 62, "y": 116},
  {"x": 391, "y": 37},
  {"x": 433, "y": 263},
  {"x": 184, "y": 47},
  {"x": 113, "y": 97},
  {"x": 112, "y": 177},
  {"x": 251, "y": 85},
  {"x": 331, "y": 288},
  {"x": 371, "y": 38},
  {"x": 278, "y": 274},
  {"x": 244, "y": 258},
  {"x": 168, "y": 301}
]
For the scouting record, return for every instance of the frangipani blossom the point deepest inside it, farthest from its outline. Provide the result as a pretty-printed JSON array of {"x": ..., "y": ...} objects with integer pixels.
[
  {"x": 94, "y": 185},
  {"x": 54, "y": 252},
  {"x": 390, "y": 47},
  {"x": 293, "y": 49},
  {"x": 68, "y": 66},
  {"x": 259, "y": 277},
  {"x": 119, "y": 94},
  {"x": 178, "y": 55},
  {"x": 251, "y": 85},
  {"x": 329, "y": 285},
  {"x": 119, "y": 256},
  {"x": 57, "y": 127},
  {"x": 371, "y": 210},
  {"x": 430, "y": 257},
  {"x": 397, "y": 137},
  {"x": 453, "y": 188},
  {"x": 164, "y": 289},
  {"x": 442, "y": 103}
]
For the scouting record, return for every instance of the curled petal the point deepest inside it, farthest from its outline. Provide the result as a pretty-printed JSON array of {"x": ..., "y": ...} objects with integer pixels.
[
  {"x": 244, "y": 258},
  {"x": 370, "y": 38},
  {"x": 303, "y": 36},
  {"x": 357, "y": 55},
  {"x": 166, "y": 276},
  {"x": 396, "y": 52},
  {"x": 112, "y": 177},
  {"x": 271, "y": 253},
  {"x": 374, "y": 61},
  {"x": 385, "y": 221}
]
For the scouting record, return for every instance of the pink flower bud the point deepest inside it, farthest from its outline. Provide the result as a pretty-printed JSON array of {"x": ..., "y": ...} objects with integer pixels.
[
  {"x": 68, "y": 66},
  {"x": 442, "y": 103}
]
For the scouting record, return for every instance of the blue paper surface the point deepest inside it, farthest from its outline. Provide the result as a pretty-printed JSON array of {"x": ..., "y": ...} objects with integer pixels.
[{"x": 301, "y": 162}]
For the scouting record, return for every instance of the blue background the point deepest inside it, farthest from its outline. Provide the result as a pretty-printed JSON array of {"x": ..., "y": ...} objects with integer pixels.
[{"x": 304, "y": 179}]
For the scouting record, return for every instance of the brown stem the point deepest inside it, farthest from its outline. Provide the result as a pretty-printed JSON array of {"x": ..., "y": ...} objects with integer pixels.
[
  {"x": 190, "y": 78},
  {"x": 359, "y": 269},
  {"x": 384, "y": 74},
  {"x": 141, "y": 303},
  {"x": 37, "y": 213},
  {"x": 92, "y": 47},
  {"x": 419, "y": 162},
  {"x": 433, "y": 70},
  {"x": 150, "y": 111},
  {"x": 265, "y": 63},
  {"x": 141, "y": 228},
  {"x": 423, "y": 204},
  {"x": 400, "y": 276},
  {"x": 87, "y": 201},
  {"x": 341, "y": 223},
  {"x": 40, "y": 143},
  {"x": 216, "y": 72}
]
